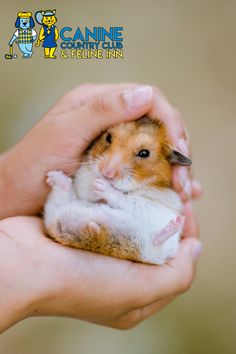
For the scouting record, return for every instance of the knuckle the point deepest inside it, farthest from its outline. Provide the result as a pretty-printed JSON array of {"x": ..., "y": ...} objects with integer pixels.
[{"x": 99, "y": 105}]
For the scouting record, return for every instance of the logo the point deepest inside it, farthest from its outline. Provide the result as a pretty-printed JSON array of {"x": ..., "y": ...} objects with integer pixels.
[{"x": 78, "y": 43}]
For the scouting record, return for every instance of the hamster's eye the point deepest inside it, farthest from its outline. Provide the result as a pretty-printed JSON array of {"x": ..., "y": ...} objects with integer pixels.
[
  {"x": 108, "y": 138},
  {"x": 143, "y": 154}
]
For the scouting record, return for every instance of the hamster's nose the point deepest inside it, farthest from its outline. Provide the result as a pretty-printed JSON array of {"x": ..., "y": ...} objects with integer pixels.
[{"x": 109, "y": 172}]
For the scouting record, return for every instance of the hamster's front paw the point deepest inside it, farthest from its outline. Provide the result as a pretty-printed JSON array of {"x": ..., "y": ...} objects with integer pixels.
[
  {"x": 102, "y": 188},
  {"x": 59, "y": 179}
]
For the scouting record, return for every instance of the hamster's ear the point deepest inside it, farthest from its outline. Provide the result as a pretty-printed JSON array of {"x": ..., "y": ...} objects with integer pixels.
[{"x": 176, "y": 158}]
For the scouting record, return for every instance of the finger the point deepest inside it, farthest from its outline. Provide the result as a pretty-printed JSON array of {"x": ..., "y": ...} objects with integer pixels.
[
  {"x": 98, "y": 114},
  {"x": 182, "y": 183},
  {"x": 191, "y": 227},
  {"x": 187, "y": 187},
  {"x": 177, "y": 132},
  {"x": 171, "y": 117},
  {"x": 132, "y": 318},
  {"x": 197, "y": 189},
  {"x": 85, "y": 92},
  {"x": 170, "y": 279}
]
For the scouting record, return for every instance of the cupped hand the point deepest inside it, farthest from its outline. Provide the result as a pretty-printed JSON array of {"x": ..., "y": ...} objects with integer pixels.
[
  {"x": 50, "y": 279},
  {"x": 61, "y": 136}
]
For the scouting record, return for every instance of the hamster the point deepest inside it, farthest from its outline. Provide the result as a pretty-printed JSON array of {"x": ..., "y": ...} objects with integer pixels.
[{"x": 120, "y": 202}]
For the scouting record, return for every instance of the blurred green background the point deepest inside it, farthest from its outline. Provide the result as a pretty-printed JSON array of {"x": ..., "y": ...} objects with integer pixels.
[{"x": 188, "y": 49}]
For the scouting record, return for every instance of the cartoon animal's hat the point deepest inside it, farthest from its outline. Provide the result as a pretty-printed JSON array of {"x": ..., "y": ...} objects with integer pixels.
[
  {"x": 24, "y": 14},
  {"x": 39, "y": 15}
]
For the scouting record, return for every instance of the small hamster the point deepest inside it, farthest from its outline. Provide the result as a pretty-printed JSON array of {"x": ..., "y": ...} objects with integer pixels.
[{"x": 120, "y": 202}]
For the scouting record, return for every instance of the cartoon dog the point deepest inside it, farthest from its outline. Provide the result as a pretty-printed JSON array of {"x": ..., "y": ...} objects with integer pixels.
[
  {"x": 49, "y": 33},
  {"x": 24, "y": 35}
]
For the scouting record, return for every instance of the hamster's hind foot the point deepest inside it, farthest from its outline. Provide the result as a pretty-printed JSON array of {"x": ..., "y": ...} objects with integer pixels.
[
  {"x": 169, "y": 230},
  {"x": 94, "y": 226}
]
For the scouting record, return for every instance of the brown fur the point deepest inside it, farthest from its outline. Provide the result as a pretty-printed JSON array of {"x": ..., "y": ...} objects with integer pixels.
[
  {"x": 103, "y": 242},
  {"x": 128, "y": 139}
]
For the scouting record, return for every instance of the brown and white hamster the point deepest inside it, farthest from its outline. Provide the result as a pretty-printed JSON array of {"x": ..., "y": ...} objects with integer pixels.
[{"x": 120, "y": 202}]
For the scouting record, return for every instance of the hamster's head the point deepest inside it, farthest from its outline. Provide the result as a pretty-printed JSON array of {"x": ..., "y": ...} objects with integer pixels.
[{"x": 135, "y": 155}]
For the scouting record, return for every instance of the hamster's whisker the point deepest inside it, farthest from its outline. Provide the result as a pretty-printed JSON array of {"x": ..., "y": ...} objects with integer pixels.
[
  {"x": 87, "y": 163},
  {"x": 137, "y": 179},
  {"x": 81, "y": 163}
]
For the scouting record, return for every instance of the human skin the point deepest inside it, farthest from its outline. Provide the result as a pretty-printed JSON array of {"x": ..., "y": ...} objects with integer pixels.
[
  {"x": 39, "y": 277},
  {"x": 50, "y": 279},
  {"x": 60, "y": 137}
]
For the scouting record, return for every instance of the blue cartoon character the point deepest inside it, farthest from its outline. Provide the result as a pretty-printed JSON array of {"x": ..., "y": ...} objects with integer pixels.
[
  {"x": 48, "y": 34},
  {"x": 24, "y": 35}
]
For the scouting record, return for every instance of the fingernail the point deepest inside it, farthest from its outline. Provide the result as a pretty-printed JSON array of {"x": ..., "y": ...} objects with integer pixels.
[
  {"x": 138, "y": 97},
  {"x": 197, "y": 250},
  {"x": 183, "y": 176},
  {"x": 182, "y": 146}
]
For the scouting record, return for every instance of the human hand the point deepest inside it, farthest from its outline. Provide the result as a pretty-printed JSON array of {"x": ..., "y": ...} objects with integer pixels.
[
  {"x": 60, "y": 137},
  {"x": 50, "y": 279}
]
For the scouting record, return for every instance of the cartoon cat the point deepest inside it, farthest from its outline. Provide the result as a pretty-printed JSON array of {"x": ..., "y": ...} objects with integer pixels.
[{"x": 48, "y": 34}]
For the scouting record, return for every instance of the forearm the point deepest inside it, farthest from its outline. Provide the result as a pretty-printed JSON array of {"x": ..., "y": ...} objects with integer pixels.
[
  {"x": 56, "y": 34},
  {"x": 12, "y": 40}
]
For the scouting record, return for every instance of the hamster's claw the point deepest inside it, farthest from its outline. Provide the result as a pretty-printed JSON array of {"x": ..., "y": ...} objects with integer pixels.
[{"x": 58, "y": 179}]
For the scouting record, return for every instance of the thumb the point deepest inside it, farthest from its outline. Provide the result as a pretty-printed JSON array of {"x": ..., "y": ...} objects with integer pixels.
[
  {"x": 182, "y": 268},
  {"x": 108, "y": 109}
]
